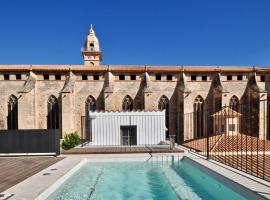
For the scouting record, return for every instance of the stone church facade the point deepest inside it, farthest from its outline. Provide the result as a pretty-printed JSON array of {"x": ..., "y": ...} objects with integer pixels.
[{"x": 57, "y": 96}]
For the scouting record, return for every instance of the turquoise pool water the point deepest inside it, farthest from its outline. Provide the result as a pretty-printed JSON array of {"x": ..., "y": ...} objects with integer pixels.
[{"x": 143, "y": 180}]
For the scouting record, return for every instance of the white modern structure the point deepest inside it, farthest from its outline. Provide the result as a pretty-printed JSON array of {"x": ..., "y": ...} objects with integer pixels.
[{"x": 127, "y": 128}]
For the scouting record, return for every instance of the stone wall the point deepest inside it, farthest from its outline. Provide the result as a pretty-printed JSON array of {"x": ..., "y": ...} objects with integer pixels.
[{"x": 32, "y": 100}]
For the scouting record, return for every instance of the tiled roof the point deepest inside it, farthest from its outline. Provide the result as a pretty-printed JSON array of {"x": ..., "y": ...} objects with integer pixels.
[
  {"x": 227, "y": 112},
  {"x": 230, "y": 143},
  {"x": 246, "y": 153},
  {"x": 130, "y": 69}
]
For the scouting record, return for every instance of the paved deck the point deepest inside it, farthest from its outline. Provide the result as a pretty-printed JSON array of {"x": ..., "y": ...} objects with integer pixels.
[
  {"x": 16, "y": 169},
  {"x": 122, "y": 150}
]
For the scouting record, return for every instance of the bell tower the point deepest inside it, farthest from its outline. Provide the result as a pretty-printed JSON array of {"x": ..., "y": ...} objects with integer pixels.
[{"x": 91, "y": 51}]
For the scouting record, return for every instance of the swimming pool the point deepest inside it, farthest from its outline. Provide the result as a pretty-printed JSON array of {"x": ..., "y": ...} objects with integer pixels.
[{"x": 143, "y": 180}]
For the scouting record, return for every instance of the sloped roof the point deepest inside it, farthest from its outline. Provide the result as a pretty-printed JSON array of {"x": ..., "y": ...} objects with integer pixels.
[
  {"x": 227, "y": 112},
  {"x": 137, "y": 68}
]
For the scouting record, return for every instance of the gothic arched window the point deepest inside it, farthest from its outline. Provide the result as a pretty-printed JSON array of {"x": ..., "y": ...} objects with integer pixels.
[
  {"x": 234, "y": 102},
  {"x": 53, "y": 113},
  {"x": 90, "y": 104},
  {"x": 127, "y": 104},
  {"x": 12, "y": 112},
  {"x": 198, "y": 109},
  {"x": 163, "y": 104}
]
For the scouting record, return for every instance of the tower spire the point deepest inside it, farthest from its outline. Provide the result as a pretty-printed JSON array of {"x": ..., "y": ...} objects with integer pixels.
[
  {"x": 91, "y": 29},
  {"x": 91, "y": 52}
]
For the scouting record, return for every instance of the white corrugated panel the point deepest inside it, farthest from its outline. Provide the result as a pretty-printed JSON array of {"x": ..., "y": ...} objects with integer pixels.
[{"x": 105, "y": 126}]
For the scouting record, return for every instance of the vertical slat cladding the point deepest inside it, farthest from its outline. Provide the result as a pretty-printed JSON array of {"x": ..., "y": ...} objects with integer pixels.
[
  {"x": 103, "y": 131},
  {"x": 106, "y": 135},
  {"x": 150, "y": 127},
  {"x": 93, "y": 130},
  {"x": 94, "y": 124},
  {"x": 101, "y": 126},
  {"x": 96, "y": 129},
  {"x": 148, "y": 130},
  {"x": 150, "y": 124},
  {"x": 100, "y": 130},
  {"x": 108, "y": 130},
  {"x": 154, "y": 138},
  {"x": 102, "y": 138},
  {"x": 114, "y": 131},
  {"x": 146, "y": 136},
  {"x": 117, "y": 130},
  {"x": 145, "y": 132},
  {"x": 161, "y": 127},
  {"x": 140, "y": 130}
]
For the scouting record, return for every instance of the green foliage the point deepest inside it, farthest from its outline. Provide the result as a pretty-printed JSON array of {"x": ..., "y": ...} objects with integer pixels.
[{"x": 71, "y": 140}]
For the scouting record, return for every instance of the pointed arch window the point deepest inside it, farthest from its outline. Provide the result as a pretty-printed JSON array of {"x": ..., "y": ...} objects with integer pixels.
[
  {"x": 53, "y": 113},
  {"x": 127, "y": 104},
  {"x": 198, "y": 109},
  {"x": 234, "y": 102},
  {"x": 163, "y": 104},
  {"x": 90, "y": 104},
  {"x": 12, "y": 112}
]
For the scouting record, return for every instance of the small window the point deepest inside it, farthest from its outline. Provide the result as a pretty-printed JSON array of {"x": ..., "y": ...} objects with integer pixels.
[
  {"x": 231, "y": 127},
  {"x": 46, "y": 76},
  {"x": 6, "y": 76},
  {"x": 239, "y": 77},
  {"x": 229, "y": 77},
  {"x": 158, "y": 77},
  {"x": 133, "y": 77},
  {"x": 18, "y": 77},
  {"x": 91, "y": 46},
  {"x": 204, "y": 78},
  {"x": 57, "y": 76},
  {"x": 222, "y": 128},
  {"x": 84, "y": 77},
  {"x": 96, "y": 77},
  {"x": 262, "y": 78},
  {"x": 121, "y": 77},
  {"x": 169, "y": 77},
  {"x": 193, "y": 77}
]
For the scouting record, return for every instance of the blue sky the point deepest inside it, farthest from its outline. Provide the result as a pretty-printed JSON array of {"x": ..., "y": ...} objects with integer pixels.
[{"x": 153, "y": 32}]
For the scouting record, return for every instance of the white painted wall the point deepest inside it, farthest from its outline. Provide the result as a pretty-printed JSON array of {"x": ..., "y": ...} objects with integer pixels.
[{"x": 105, "y": 126}]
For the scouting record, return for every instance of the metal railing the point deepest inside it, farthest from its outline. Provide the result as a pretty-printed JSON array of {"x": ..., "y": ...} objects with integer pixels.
[{"x": 237, "y": 136}]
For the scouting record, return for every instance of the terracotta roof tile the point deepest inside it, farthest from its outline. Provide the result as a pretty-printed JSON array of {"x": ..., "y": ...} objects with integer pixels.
[
  {"x": 227, "y": 112},
  {"x": 137, "y": 69}
]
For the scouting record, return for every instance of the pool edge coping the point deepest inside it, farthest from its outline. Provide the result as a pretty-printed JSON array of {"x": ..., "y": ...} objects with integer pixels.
[
  {"x": 238, "y": 177},
  {"x": 57, "y": 184}
]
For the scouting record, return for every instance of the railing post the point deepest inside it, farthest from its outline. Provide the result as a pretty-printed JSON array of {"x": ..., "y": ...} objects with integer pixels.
[{"x": 207, "y": 144}]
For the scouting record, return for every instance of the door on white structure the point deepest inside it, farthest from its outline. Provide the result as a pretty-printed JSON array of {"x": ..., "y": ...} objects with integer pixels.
[{"x": 128, "y": 135}]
